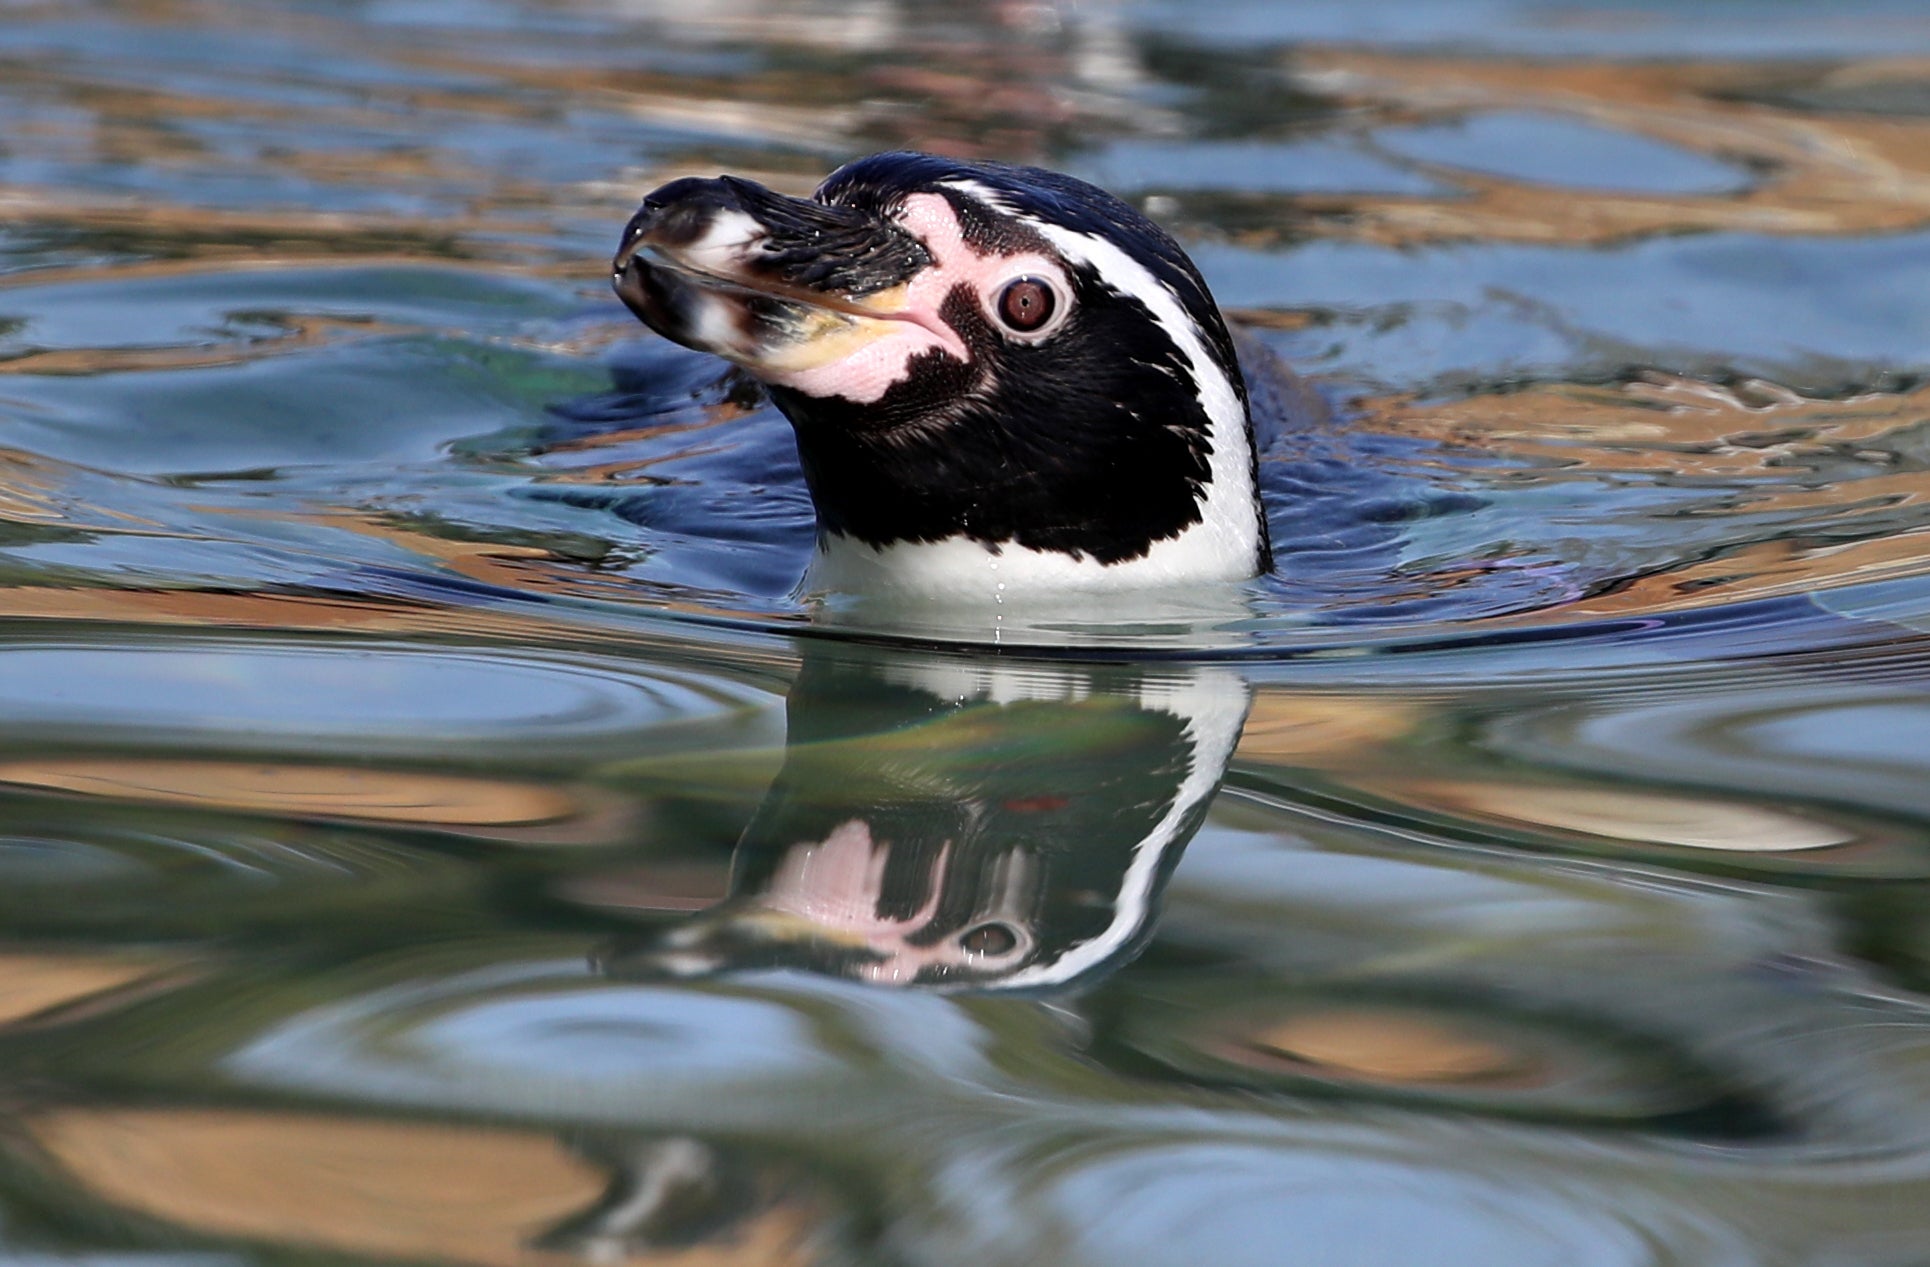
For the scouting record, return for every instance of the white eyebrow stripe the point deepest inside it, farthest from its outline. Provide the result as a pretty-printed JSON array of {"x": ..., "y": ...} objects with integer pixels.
[
  {"x": 984, "y": 193},
  {"x": 1212, "y": 704},
  {"x": 1128, "y": 276},
  {"x": 1228, "y": 511}
]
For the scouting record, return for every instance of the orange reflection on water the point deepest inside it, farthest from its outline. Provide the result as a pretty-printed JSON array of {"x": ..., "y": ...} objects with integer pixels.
[
  {"x": 1386, "y": 1045},
  {"x": 465, "y": 804},
  {"x": 1658, "y": 422},
  {"x": 399, "y": 1190},
  {"x": 1816, "y": 173},
  {"x": 297, "y": 332},
  {"x": 1753, "y": 444},
  {"x": 35, "y": 984},
  {"x": 1304, "y": 729},
  {"x": 1624, "y": 814},
  {"x": 1766, "y": 570}
]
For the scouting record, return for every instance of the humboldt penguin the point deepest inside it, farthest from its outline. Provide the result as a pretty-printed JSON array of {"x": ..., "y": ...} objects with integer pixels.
[{"x": 1004, "y": 381}]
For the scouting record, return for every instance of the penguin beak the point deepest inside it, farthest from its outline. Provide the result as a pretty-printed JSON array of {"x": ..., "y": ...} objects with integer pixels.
[
  {"x": 732, "y": 937},
  {"x": 778, "y": 285}
]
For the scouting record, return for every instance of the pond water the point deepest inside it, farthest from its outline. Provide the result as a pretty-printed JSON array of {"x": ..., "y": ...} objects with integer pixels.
[{"x": 433, "y": 829}]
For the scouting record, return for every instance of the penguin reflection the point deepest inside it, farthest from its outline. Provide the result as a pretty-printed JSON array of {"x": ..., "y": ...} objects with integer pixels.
[{"x": 961, "y": 824}]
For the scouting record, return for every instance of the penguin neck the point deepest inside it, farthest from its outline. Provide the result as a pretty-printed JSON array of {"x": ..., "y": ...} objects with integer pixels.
[{"x": 1217, "y": 551}]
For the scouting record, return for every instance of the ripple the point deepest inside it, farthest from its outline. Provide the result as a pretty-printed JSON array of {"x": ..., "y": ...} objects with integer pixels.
[
  {"x": 174, "y": 307},
  {"x": 89, "y": 868},
  {"x": 1231, "y": 1204},
  {"x": 1637, "y": 817},
  {"x": 1834, "y": 739},
  {"x": 423, "y": 1191},
  {"x": 1550, "y": 150},
  {"x": 1253, "y": 166},
  {"x": 332, "y": 695},
  {"x": 615, "y": 1034},
  {"x": 46, "y": 859},
  {"x": 1424, "y": 1049},
  {"x": 544, "y": 1037},
  {"x": 401, "y": 798}
]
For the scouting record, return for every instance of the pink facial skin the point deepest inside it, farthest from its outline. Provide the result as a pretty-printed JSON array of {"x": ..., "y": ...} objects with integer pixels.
[
  {"x": 836, "y": 884},
  {"x": 870, "y": 370}
]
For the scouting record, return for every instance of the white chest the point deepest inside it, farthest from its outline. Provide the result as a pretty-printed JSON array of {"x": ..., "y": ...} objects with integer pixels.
[{"x": 959, "y": 569}]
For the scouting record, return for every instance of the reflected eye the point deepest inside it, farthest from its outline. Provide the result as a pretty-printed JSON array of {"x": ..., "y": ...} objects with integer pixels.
[
  {"x": 988, "y": 939},
  {"x": 1026, "y": 304}
]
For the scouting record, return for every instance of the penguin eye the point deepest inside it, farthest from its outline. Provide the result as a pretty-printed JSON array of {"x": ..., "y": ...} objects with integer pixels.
[{"x": 1027, "y": 304}]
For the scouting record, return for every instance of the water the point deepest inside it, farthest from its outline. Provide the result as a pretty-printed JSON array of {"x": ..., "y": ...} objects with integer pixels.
[{"x": 432, "y": 830}]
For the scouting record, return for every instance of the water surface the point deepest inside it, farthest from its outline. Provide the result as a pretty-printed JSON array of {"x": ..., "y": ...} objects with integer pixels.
[{"x": 433, "y": 829}]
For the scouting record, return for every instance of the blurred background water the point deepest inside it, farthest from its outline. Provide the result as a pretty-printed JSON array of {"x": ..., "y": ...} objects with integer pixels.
[{"x": 432, "y": 830}]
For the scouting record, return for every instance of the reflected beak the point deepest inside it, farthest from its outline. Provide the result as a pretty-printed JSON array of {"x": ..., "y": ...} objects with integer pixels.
[
  {"x": 734, "y": 937},
  {"x": 776, "y": 284}
]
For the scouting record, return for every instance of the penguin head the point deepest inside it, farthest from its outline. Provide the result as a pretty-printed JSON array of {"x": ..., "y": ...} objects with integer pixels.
[{"x": 998, "y": 359}]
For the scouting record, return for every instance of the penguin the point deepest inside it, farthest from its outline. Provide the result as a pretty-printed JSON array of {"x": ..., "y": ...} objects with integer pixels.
[{"x": 1004, "y": 381}]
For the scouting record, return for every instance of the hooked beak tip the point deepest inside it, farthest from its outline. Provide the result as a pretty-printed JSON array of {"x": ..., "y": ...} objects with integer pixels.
[{"x": 635, "y": 234}]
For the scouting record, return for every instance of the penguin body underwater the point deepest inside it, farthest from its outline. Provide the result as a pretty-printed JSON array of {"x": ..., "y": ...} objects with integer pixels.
[{"x": 1004, "y": 382}]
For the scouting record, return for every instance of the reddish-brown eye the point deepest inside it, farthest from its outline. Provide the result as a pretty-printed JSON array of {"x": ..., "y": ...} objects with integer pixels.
[{"x": 1027, "y": 304}]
